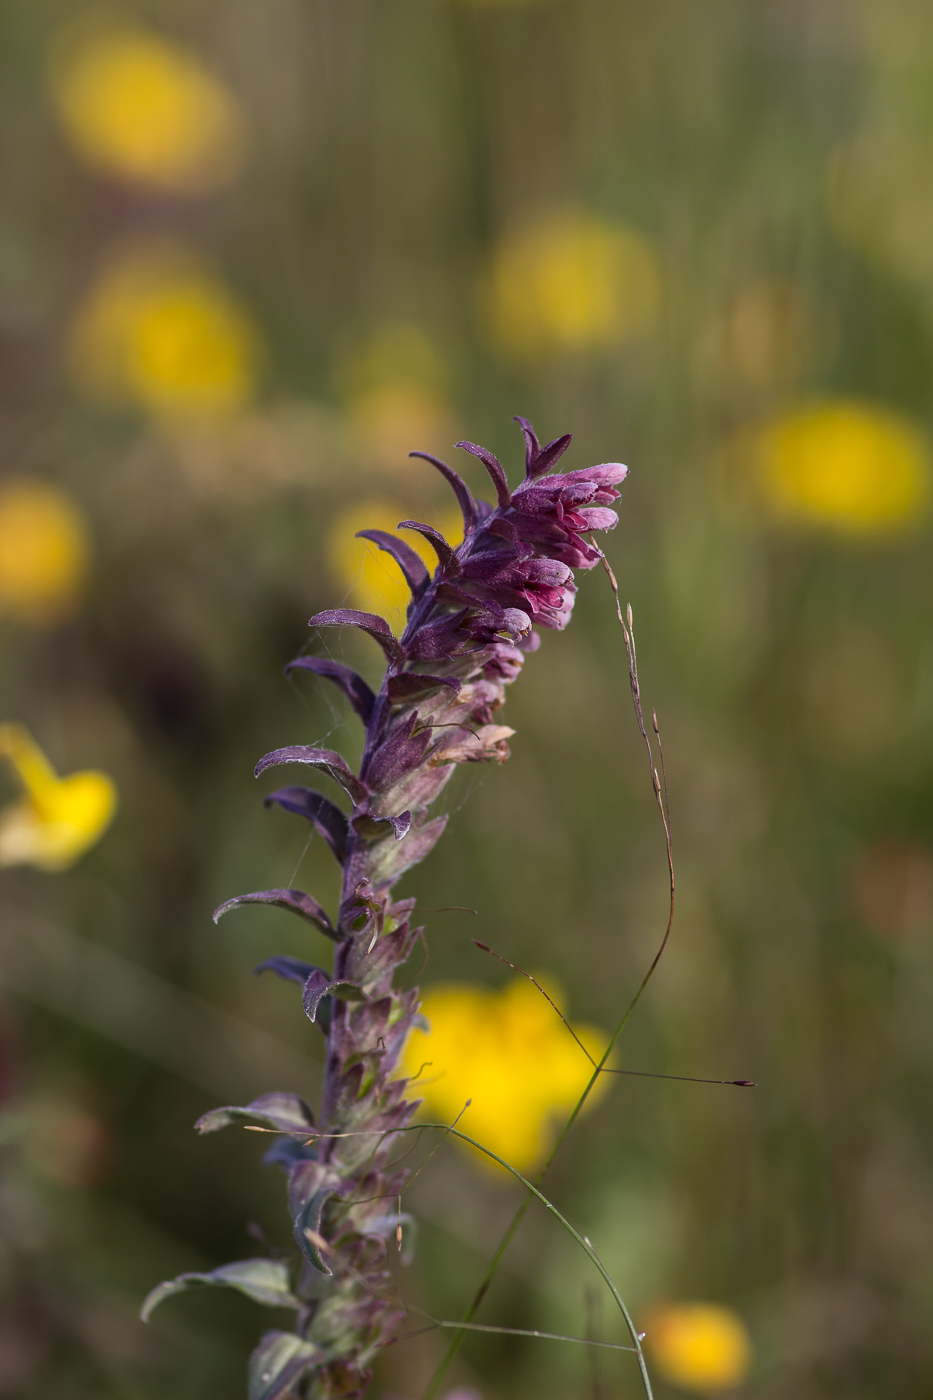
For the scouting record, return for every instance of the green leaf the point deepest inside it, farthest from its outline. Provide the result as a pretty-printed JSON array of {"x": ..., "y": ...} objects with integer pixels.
[
  {"x": 280, "y": 1360},
  {"x": 264, "y": 1280}
]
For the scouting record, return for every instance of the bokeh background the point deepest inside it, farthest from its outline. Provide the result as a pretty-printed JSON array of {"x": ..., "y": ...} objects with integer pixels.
[{"x": 253, "y": 252}]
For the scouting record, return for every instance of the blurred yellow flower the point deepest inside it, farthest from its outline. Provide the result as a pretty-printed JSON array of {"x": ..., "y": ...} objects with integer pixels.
[
  {"x": 161, "y": 331},
  {"x": 846, "y": 465},
  {"x": 393, "y": 386},
  {"x": 57, "y": 819},
  {"x": 573, "y": 282},
  {"x": 44, "y": 551},
  {"x": 371, "y": 577},
  {"x": 510, "y": 1054},
  {"x": 396, "y": 417},
  {"x": 699, "y": 1346},
  {"x": 143, "y": 108}
]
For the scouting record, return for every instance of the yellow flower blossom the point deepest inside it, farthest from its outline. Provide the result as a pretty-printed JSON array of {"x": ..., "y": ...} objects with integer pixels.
[
  {"x": 573, "y": 282},
  {"x": 44, "y": 552},
  {"x": 699, "y": 1346},
  {"x": 160, "y": 331},
  {"x": 57, "y": 819},
  {"x": 846, "y": 465},
  {"x": 142, "y": 108},
  {"x": 510, "y": 1054},
  {"x": 371, "y": 577}
]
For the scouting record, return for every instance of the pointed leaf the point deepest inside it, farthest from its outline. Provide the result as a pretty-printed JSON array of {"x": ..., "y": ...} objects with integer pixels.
[
  {"x": 410, "y": 686},
  {"x": 295, "y": 901},
  {"x": 494, "y": 468},
  {"x": 310, "y": 1186},
  {"x": 399, "y": 754},
  {"x": 264, "y": 1280},
  {"x": 551, "y": 453},
  {"x": 392, "y": 861},
  {"x": 440, "y": 640},
  {"x": 287, "y": 1113},
  {"x": 290, "y": 969},
  {"x": 278, "y": 1364},
  {"x": 532, "y": 446},
  {"x": 375, "y": 626},
  {"x": 353, "y": 686},
  {"x": 372, "y": 828},
  {"x": 540, "y": 459},
  {"x": 410, "y": 563},
  {"x": 326, "y": 819},
  {"x": 329, "y": 762},
  {"x": 314, "y": 992},
  {"x": 287, "y": 1152},
  {"x": 419, "y": 843},
  {"x": 458, "y": 485},
  {"x": 446, "y": 556}
]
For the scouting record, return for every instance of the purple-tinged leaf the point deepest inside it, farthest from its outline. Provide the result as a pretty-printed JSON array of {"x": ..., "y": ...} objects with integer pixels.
[
  {"x": 295, "y": 901},
  {"x": 400, "y": 753},
  {"x": 446, "y": 556},
  {"x": 440, "y": 640},
  {"x": 315, "y": 991},
  {"x": 540, "y": 459},
  {"x": 287, "y": 1152},
  {"x": 417, "y": 845},
  {"x": 503, "y": 529},
  {"x": 410, "y": 686},
  {"x": 532, "y": 446},
  {"x": 307, "y": 1227},
  {"x": 410, "y": 563},
  {"x": 266, "y": 1281},
  {"x": 290, "y": 969},
  {"x": 494, "y": 468},
  {"x": 551, "y": 453},
  {"x": 326, "y": 819},
  {"x": 278, "y": 1364},
  {"x": 372, "y": 828},
  {"x": 460, "y": 489},
  {"x": 353, "y": 686},
  {"x": 375, "y": 626},
  {"x": 287, "y": 1113},
  {"x": 329, "y": 762}
]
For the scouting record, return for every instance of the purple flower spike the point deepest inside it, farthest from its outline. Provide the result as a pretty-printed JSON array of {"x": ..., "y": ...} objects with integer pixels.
[{"x": 470, "y": 626}]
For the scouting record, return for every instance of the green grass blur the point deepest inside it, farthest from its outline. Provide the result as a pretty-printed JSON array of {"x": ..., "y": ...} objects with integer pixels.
[{"x": 759, "y": 180}]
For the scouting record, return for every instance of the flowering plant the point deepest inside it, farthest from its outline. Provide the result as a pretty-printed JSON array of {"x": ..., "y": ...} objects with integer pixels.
[{"x": 470, "y": 626}]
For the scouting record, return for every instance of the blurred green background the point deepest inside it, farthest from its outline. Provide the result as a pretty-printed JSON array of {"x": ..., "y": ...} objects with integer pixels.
[{"x": 253, "y": 252}]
